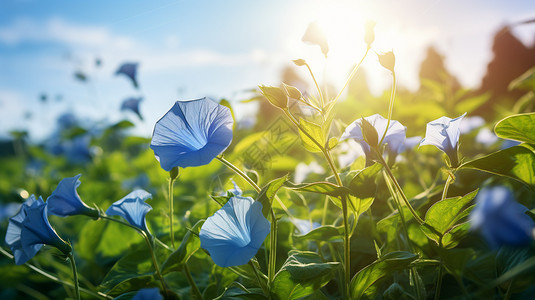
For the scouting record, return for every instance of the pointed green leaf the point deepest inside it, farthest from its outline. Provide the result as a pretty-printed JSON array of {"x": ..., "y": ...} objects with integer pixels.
[
  {"x": 385, "y": 266},
  {"x": 315, "y": 131},
  {"x": 325, "y": 233},
  {"x": 444, "y": 214},
  {"x": 189, "y": 245},
  {"x": 517, "y": 162},
  {"x": 323, "y": 187},
  {"x": 526, "y": 81},
  {"x": 302, "y": 274},
  {"x": 268, "y": 192},
  {"x": 517, "y": 127}
]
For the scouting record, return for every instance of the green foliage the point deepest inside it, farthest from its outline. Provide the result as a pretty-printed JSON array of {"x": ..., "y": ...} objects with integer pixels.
[
  {"x": 362, "y": 283},
  {"x": 517, "y": 127},
  {"x": 301, "y": 275}
]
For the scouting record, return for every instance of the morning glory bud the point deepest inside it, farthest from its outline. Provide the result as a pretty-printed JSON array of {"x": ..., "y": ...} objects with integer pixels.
[
  {"x": 444, "y": 134},
  {"x": 299, "y": 62},
  {"x": 369, "y": 133},
  {"x": 387, "y": 60},
  {"x": 292, "y": 91},
  {"x": 369, "y": 33},
  {"x": 364, "y": 134},
  {"x": 276, "y": 96},
  {"x": 500, "y": 219},
  {"x": 315, "y": 35},
  {"x": 129, "y": 70}
]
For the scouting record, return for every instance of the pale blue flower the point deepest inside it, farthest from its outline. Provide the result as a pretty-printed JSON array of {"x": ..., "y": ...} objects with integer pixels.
[
  {"x": 132, "y": 208},
  {"x": 470, "y": 124},
  {"x": 29, "y": 230},
  {"x": 148, "y": 294},
  {"x": 305, "y": 226},
  {"x": 192, "y": 133},
  {"x": 444, "y": 134},
  {"x": 394, "y": 138},
  {"x": 130, "y": 71},
  {"x": 235, "y": 232},
  {"x": 500, "y": 219},
  {"x": 486, "y": 137},
  {"x": 132, "y": 104},
  {"x": 65, "y": 200},
  {"x": 302, "y": 170}
]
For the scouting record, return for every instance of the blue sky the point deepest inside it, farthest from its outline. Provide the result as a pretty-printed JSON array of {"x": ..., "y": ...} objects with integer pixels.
[{"x": 190, "y": 49}]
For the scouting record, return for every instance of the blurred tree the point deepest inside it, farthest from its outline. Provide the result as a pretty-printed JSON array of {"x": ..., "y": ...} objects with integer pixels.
[{"x": 511, "y": 59}]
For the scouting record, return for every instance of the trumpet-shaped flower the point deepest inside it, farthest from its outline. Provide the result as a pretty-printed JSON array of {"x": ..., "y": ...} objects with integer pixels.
[
  {"x": 65, "y": 200},
  {"x": 130, "y": 71},
  {"x": 29, "y": 230},
  {"x": 394, "y": 138},
  {"x": 133, "y": 209},
  {"x": 444, "y": 134},
  {"x": 132, "y": 104},
  {"x": 500, "y": 219},
  {"x": 235, "y": 232},
  {"x": 192, "y": 133}
]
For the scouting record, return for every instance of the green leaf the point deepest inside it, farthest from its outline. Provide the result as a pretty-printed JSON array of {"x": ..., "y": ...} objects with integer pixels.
[
  {"x": 517, "y": 162},
  {"x": 189, "y": 245},
  {"x": 517, "y": 127},
  {"x": 132, "y": 271},
  {"x": 444, "y": 214},
  {"x": 323, "y": 187},
  {"x": 526, "y": 81},
  {"x": 103, "y": 239},
  {"x": 315, "y": 131},
  {"x": 455, "y": 260},
  {"x": 385, "y": 266},
  {"x": 268, "y": 192},
  {"x": 325, "y": 233},
  {"x": 363, "y": 187},
  {"x": 456, "y": 233},
  {"x": 302, "y": 274}
]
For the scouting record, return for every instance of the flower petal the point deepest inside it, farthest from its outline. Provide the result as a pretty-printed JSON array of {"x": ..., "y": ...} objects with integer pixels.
[
  {"x": 132, "y": 208},
  {"x": 235, "y": 232},
  {"x": 65, "y": 200},
  {"x": 192, "y": 133}
]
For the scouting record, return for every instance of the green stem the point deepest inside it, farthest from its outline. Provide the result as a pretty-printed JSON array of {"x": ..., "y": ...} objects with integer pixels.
[
  {"x": 171, "y": 196},
  {"x": 322, "y": 101},
  {"x": 439, "y": 282},
  {"x": 194, "y": 287},
  {"x": 398, "y": 187},
  {"x": 509, "y": 290},
  {"x": 56, "y": 279},
  {"x": 75, "y": 276},
  {"x": 260, "y": 281},
  {"x": 352, "y": 74},
  {"x": 446, "y": 187},
  {"x": 149, "y": 244},
  {"x": 273, "y": 233},
  {"x": 390, "y": 105},
  {"x": 154, "y": 261}
]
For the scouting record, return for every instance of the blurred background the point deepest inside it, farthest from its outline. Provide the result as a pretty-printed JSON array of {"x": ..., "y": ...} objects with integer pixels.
[{"x": 61, "y": 56}]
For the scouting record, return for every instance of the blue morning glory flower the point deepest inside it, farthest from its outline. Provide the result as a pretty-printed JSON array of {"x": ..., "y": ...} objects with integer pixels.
[
  {"x": 132, "y": 208},
  {"x": 65, "y": 200},
  {"x": 148, "y": 294},
  {"x": 192, "y": 133},
  {"x": 29, "y": 229},
  {"x": 132, "y": 104},
  {"x": 500, "y": 219},
  {"x": 394, "y": 138},
  {"x": 235, "y": 232},
  {"x": 130, "y": 71},
  {"x": 444, "y": 134}
]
